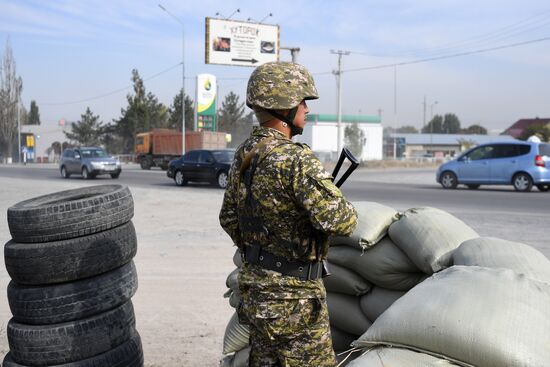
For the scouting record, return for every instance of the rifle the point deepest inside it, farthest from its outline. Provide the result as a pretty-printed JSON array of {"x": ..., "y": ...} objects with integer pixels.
[{"x": 354, "y": 164}]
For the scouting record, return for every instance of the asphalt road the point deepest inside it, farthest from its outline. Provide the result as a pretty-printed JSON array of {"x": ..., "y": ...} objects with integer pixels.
[
  {"x": 401, "y": 188},
  {"x": 496, "y": 211}
]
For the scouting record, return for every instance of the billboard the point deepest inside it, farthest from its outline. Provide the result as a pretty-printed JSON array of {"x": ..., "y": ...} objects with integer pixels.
[
  {"x": 231, "y": 42},
  {"x": 206, "y": 102}
]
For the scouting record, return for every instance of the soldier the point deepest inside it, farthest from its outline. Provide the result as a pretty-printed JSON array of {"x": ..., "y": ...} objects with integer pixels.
[{"x": 279, "y": 207}]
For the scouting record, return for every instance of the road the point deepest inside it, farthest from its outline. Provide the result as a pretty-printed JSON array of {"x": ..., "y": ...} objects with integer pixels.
[{"x": 497, "y": 211}]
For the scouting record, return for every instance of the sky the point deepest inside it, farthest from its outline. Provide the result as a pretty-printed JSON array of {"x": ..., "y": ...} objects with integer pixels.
[{"x": 486, "y": 61}]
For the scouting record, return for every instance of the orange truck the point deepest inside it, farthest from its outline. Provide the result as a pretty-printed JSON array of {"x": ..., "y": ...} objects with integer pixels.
[{"x": 156, "y": 148}]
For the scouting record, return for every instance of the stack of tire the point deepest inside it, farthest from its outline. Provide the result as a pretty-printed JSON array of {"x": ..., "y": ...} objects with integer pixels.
[{"x": 70, "y": 261}]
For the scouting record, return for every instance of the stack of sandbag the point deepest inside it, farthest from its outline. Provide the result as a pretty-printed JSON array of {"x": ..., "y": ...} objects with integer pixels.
[
  {"x": 489, "y": 309},
  {"x": 70, "y": 261},
  {"x": 387, "y": 255}
]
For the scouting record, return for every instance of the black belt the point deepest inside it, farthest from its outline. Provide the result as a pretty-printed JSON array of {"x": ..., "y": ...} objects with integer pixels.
[{"x": 303, "y": 270}]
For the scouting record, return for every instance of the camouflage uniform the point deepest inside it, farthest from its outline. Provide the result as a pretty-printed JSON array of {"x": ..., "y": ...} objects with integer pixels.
[{"x": 299, "y": 206}]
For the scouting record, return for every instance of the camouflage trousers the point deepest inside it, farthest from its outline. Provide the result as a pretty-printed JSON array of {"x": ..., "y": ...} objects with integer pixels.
[{"x": 288, "y": 332}]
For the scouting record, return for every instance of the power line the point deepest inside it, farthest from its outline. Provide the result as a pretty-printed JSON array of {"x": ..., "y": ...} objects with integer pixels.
[
  {"x": 441, "y": 57},
  {"x": 511, "y": 30},
  {"x": 112, "y": 92}
]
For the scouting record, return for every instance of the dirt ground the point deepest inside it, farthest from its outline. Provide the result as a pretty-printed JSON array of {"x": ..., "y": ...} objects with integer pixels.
[{"x": 183, "y": 260}]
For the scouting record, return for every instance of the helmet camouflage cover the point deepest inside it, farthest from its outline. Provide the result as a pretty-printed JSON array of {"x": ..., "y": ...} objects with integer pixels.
[{"x": 279, "y": 86}]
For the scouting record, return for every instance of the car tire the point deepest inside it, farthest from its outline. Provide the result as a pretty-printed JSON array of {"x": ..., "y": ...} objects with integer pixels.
[
  {"x": 70, "y": 259},
  {"x": 473, "y": 187},
  {"x": 48, "y": 345},
  {"x": 543, "y": 188},
  {"x": 222, "y": 179},
  {"x": 64, "y": 172},
  {"x": 54, "y": 304},
  {"x": 71, "y": 213},
  {"x": 115, "y": 175},
  {"x": 522, "y": 182},
  {"x": 86, "y": 175},
  {"x": 128, "y": 354},
  {"x": 448, "y": 180},
  {"x": 179, "y": 178}
]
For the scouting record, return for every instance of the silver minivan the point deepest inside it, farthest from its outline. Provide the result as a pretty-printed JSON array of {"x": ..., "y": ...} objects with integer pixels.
[{"x": 88, "y": 162}]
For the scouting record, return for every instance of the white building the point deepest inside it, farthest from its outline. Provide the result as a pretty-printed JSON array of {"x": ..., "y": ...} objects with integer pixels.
[{"x": 321, "y": 134}]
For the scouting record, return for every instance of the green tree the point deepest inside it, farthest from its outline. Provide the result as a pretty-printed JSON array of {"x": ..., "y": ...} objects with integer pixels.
[
  {"x": 174, "y": 122},
  {"x": 10, "y": 94},
  {"x": 451, "y": 124},
  {"x": 87, "y": 131},
  {"x": 408, "y": 129},
  {"x": 354, "y": 139},
  {"x": 33, "y": 117},
  {"x": 540, "y": 130},
  {"x": 435, "y": 126},
  {"x": 143, "y": 113},
  {"x": 475, "y": 129},
  {"x": 230, "y": 113}
]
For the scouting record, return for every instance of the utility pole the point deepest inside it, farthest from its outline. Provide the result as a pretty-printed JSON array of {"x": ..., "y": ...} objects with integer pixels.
[
  {"x": 18, "y": 132},
  {"x": 293, "y": 52},
  {"x": 338, "y": 74},
  {"x": 424, "y": 119},
  {"x": 182, "y": 76}
]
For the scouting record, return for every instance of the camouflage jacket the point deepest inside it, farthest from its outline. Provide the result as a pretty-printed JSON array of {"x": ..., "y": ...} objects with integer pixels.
[{"x": 297, "y": 200}]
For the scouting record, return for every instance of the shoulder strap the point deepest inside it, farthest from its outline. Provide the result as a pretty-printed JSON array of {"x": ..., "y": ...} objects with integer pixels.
[{"x": 247, "y": 160}]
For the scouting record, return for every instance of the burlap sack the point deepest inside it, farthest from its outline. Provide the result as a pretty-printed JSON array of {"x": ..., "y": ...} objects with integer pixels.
[
  {"x": 398, "y": 357},
  {"x": 378, "y": 300},
  {"x": 345, "y": 314},
  {"x": 498, "y": 253},
  {"x": 239, "y": 359},
  {"x": 345, "y": 281},
  {"x": 429, "y": 236},
  {"x": 384, "y": 265},
  {"x": 373, "y": 221},
  {"x": 472, "y": 316}
]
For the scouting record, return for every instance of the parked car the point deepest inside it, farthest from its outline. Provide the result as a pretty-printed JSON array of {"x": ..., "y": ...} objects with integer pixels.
[
  {"x": 88, "y": 162},
  {"x": 521, "y": 164},
  {"x": 202, "y": 166}
]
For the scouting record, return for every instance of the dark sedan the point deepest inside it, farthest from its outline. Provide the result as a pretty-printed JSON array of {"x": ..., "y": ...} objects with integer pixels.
[{"x": 202, "y": 166}]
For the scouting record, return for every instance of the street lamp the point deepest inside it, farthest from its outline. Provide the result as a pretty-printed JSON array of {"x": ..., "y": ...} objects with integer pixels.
[{"x": 182, "y": 76}]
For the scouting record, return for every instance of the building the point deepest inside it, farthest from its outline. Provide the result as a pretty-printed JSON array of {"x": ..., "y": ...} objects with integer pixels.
[
  {"x": 321, "y": 134},
  {"x": 517, "y": 129},
  {"x": 434, "y": 145}
]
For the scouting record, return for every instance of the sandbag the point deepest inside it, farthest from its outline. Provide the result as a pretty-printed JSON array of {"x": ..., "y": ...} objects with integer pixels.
[
  {"x": 429, "y": 236},
  {"x": 384, "y": 265},
  {"x": 498, "y": 253},
  {"x": 341, "y": 341},
  {"x": 235, "y": 298},
  {"x": 473, "y": 316},
  {"x": 345, "y": 281},
  {"x": 236, "y": 335},
  {"x": 237, "y": 258},
  {"x": 232, "y": 281},
  {"x": 378, "y": 300},
  {"x": 373, "y": 221},
  {"x": 239, "y": 359},
  {"x": 398, "y": 357},
  {"x": 345, "y": 314}
]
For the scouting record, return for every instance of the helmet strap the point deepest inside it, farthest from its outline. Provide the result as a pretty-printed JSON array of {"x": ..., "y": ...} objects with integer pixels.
[{"x": 289, "y": 119}]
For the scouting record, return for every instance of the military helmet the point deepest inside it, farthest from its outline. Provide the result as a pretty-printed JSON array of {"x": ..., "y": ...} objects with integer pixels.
[{"x": 279, "y": 86}]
